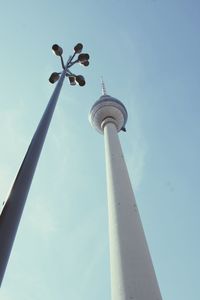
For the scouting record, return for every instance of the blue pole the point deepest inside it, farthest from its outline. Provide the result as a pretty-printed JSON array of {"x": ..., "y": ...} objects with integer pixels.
[{"x": 13, "y": 207}]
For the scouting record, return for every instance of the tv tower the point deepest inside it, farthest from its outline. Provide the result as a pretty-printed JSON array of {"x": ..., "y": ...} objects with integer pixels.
[{"x": 132, "y": 272}]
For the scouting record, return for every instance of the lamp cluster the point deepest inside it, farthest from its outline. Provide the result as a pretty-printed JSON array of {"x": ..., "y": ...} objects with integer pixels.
[{"x": 83, "y": 59}]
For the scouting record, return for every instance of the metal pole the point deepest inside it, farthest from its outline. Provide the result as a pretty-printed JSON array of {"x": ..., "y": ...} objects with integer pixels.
[{"x": 12, "y": 211}]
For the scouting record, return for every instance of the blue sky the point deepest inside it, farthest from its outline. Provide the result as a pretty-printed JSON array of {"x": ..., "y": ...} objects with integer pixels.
[{"x": 148, "y": 53}]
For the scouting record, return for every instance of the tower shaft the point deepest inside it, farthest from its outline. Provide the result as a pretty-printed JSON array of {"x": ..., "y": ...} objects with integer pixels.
[{"x": 132, "y": 273}]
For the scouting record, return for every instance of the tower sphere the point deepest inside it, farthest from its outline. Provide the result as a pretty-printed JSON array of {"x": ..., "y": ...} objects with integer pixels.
[{"x": 109, "y": 109}]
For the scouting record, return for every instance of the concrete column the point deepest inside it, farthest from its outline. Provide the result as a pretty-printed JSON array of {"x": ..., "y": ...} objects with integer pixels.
[{"x": 132, "y": 272}]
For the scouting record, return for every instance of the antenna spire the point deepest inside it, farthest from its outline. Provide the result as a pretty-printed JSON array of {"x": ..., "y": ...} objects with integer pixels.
[{"x": 103, "y": 88}]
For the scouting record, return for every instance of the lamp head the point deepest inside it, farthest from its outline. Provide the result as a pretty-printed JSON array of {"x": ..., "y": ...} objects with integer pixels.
[
  {"x": 57, "y": 50},
  {"x": 78, "y": 48},
  {"x": 80, "y": 80},
  {"x": 72, "y": 80},
  {"x": 86, "y": 63},
  {"x": 54, "y": 77},
  {"x": 83, "y": 57}
]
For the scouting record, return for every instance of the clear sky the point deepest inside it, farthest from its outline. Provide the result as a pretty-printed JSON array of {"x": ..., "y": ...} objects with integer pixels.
[{"x": 148, "y": 52}]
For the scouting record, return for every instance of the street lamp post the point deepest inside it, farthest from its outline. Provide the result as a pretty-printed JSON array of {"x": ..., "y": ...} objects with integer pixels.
[{"x": 13, "y": 207}]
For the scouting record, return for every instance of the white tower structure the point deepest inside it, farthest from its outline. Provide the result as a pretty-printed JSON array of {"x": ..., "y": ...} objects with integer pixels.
[{"x": 132, "y": 273}]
